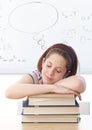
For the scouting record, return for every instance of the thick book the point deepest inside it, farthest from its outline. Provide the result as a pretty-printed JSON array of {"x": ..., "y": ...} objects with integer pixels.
[
  {"x": 51, "y": 99},
  {"x": 50, "y": 126},
  {"x": 26, "y": 109},
  {"x": 72, "y": 118}
]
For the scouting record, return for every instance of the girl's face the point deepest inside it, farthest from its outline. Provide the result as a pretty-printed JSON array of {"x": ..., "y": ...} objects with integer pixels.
[{"x": 53, "y": 68}]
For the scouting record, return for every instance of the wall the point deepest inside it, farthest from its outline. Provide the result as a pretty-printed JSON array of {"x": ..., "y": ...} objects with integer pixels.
[{"x": 28, "y": 27}]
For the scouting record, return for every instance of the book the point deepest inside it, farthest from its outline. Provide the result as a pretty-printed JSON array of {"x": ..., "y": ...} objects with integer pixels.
[
  {"x": 53, "y": 95},
  {"x": 74, "y": 118},
  {"x": 51, "y": 99},
  {"x": 50, "y": 126},
  {"x": 65, "y": 109}
]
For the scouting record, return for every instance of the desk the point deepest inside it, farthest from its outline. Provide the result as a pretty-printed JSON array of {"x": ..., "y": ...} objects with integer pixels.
[{"x": 14, "y": 123}]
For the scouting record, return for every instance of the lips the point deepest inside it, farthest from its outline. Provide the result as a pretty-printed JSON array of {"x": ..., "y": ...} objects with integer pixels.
[{"x": 48, "y": 78}]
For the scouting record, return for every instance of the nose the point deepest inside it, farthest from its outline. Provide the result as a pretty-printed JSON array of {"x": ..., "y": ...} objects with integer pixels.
[{"x": 51, "y": 72}]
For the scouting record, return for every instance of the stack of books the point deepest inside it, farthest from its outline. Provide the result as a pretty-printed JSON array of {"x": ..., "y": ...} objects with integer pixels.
[{"x": 50, "y": 112}]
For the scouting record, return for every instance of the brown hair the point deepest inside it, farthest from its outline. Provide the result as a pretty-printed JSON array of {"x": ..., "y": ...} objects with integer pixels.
[{"x": 67, "y": 52}]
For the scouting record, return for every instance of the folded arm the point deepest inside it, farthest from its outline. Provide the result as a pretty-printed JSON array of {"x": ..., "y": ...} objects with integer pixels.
[
  {"x": 75, "y": 83},
  {"x": 25, "y": 87}
]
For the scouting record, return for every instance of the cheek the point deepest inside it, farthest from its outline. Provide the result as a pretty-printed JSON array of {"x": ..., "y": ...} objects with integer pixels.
[
  {"x": 44, "y": 70},
  {"x": 59, "y": 77}
]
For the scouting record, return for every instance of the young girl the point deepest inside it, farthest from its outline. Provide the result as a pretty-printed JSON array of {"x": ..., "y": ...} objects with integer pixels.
[{"x": 56, "y": 73}]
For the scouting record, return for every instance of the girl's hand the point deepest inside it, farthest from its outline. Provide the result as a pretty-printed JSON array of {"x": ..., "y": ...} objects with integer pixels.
[{"x": 62, "y": 89}]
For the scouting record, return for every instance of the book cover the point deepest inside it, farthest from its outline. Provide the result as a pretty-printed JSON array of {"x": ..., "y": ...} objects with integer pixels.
[
  {"x": 51, "y": 99},
  {"x": 50, "y": 126},
  {"x": 53, "y": 95},
  {"x": 72, "y": 118},
  {"x": 65, "y": 109}
]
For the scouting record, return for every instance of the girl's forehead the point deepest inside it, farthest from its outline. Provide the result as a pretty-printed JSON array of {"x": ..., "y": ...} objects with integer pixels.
[
  {"x": 57, "y": 60},
  {"x": 55, "y": 56}
]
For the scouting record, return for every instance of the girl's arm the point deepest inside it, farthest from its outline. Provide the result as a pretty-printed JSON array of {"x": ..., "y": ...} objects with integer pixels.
[
  {"x": 25, "y": 87},
  {"x": 75, "y": 83}
]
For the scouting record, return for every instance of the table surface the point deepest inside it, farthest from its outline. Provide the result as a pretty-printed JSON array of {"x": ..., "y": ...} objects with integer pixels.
[{"x": 14, "y": 122}]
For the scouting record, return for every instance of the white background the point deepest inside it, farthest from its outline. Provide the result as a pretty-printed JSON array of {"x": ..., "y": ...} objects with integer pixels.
[
  {"x": 28, "y": 27},
  {"x": 25, "y": 34}
]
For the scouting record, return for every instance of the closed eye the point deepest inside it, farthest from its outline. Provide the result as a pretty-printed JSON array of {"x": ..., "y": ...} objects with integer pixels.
[
  {"x": 58, "y": 71},
  {"x": 48, "y": 65}
]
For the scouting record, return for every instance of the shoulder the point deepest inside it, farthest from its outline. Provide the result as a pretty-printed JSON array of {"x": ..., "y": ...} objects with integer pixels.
[
  {"x": 36, "y": 76},
  {"x": 26, "y": 79}
]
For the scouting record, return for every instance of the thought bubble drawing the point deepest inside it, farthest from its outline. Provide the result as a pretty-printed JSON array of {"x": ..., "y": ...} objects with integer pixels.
[{"x": 33, "y": 17}]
